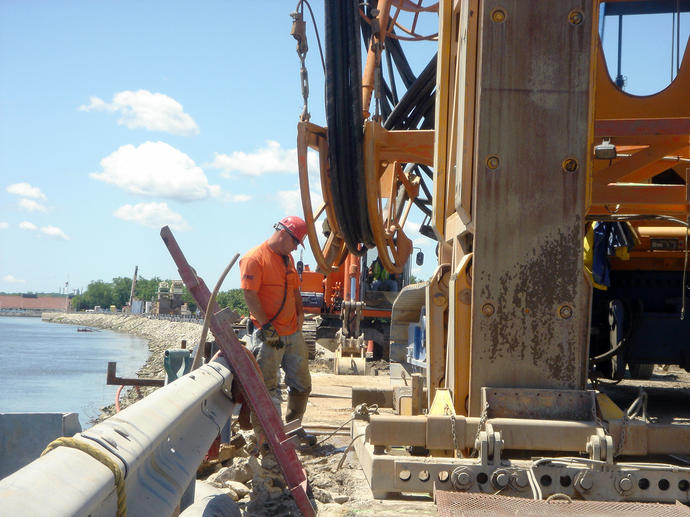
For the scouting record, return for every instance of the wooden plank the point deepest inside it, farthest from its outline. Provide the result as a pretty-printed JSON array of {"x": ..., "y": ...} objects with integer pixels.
[
  {"x": 441, "y": 109},
  {"x": 465, "y": 104}
]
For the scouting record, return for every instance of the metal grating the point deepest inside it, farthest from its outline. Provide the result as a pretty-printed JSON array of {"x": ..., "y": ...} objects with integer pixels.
[{"x": 463, "y": 504}]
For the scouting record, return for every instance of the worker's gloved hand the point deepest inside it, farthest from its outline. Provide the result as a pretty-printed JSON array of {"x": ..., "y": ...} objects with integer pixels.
[{"x": 269, "y": 335}]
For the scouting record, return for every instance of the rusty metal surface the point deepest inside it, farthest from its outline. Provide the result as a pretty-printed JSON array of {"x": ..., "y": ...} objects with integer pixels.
[
  {"x": 540, "y": 404},
  {"x": 461, "y": 504},
  {"x": 530, "y": 307},
  {"x": 113, "y": 379}
]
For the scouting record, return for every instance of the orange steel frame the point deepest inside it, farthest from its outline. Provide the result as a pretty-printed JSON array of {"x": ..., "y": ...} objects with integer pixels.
[
  {"x": 650, "y": 128},
  {"x": 337, "y": 284}
]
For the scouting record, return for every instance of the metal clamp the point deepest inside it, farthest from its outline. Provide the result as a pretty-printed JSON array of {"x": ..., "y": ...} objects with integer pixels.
[
  {"x": 489, "y": 444},
  {"x": 600, "y": 447}
]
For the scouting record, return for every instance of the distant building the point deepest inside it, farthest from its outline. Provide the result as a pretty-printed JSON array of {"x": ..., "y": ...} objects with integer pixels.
[
  {"x": 169, "y": 298},
  {"x": 33, "y": 302}
]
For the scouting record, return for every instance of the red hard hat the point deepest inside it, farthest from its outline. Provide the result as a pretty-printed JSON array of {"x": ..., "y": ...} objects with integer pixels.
[{"x": 295, "y": 226}]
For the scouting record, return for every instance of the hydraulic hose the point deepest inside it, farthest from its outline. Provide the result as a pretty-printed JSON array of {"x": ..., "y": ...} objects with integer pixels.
[
  {"x": 207, "y": 316},
  {"x": 610, "y": 353}
]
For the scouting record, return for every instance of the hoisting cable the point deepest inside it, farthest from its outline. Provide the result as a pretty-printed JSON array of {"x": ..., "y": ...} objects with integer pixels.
[
  {"x": 300, "y": 7},
  {"x": 685, "y": 255},
  {"x": 299, "y": 32},
  {"x": 620, "y": 82},
  {"x": 677, "y": 37},
  {"x": 100, "y": 456},
  {"x": 209, "y": 310}
]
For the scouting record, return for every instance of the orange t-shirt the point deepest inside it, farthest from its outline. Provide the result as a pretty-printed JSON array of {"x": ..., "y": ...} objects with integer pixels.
[{"x": 264, "y": 271}]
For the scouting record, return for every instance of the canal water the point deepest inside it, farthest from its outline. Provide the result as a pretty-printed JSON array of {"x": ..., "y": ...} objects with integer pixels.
[{"x": 51, "y": 367}]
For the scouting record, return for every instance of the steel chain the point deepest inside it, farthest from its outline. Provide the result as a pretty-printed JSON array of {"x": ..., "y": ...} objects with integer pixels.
[
  {"x": 598, "y": 420},
  {"x": 482, "y": 423},
  {"x": 451, "y": 412},
  {"x": 619, "y": 449}
]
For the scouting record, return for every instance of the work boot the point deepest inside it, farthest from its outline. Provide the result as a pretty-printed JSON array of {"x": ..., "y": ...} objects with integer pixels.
[{"x": 296, "y": 406}]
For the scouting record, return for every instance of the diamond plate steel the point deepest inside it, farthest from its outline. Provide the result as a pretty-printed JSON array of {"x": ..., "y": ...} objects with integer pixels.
[{"x": 463, "y": 504}]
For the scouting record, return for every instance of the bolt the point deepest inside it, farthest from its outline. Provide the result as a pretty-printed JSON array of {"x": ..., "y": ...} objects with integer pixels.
[
  {"x": 565, "y": 312},
  {"x": 461, "y": 479},
  {"x": 440, "y": 299},
  {"x": 492, "y": 162},
  {"x": 488, "y": 310},
  {"x": 575, "y": 17},
  {"x": 569, "y": 165},
  {"x": 498, "y": 15},
  {"x": 625, "y": 484},
  {"x": 405, "y": 475},
  {"x": 501, "y": 479},
  {"x": 585, "y": 481},
  {"x": 520, "y": 479}
]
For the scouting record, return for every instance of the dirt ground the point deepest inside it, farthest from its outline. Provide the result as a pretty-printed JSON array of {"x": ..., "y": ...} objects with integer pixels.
[
  {"x": 255, "y": 481},
  {"x": 668, "y": 392},
  {"x": 335, "y": 477},
  {"x": 339, "y": 485}
]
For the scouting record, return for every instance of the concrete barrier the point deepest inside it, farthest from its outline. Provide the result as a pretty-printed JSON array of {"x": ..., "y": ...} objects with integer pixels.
[{"x": 24, "y": 436}]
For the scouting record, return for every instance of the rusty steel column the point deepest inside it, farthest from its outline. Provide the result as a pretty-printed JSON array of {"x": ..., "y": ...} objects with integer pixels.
[{"x": 530, "y": 313}]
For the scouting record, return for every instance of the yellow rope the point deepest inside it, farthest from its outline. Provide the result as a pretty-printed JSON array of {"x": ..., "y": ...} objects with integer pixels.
[{"x": 101, "y": 456}]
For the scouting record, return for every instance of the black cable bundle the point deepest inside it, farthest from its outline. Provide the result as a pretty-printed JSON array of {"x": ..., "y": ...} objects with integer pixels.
[{"x": 345, "y": 123}]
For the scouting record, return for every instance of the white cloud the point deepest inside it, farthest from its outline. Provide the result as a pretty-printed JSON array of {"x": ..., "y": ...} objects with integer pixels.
[
  {"x": 241, "y": 198},
  {"x": 26, "y": 225},
  {"x": 152, "y": 215},
  {"x": 156, "y": 169},
  {"x": 31, "y": 205},
  {"x": 54, "y": 231},
  {"x": 4, "y": 225},
  {"x": 12, "y": 280},
  {"x": 26, "y": 190},
  {"x": 51, "y": 231},
  {"x": 291, "y": 201},
  {"x": 271, "y": 158},
  {"x": 143, "y": 109}
]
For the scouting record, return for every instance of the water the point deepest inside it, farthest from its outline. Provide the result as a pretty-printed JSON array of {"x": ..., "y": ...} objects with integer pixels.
[{"x": 50, "y": 367}]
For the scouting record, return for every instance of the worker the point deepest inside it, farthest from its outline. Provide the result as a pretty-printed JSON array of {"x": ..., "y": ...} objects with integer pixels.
[
  {"x": 271, "y": 289},
  {"x": 380, "y": 279}
]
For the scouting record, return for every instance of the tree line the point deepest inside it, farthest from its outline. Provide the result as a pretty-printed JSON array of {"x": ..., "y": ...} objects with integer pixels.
[{"x": 117, "y": 293}]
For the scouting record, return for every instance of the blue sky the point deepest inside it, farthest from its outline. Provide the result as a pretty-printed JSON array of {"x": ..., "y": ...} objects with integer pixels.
[{"x": 119, "y": 117}]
